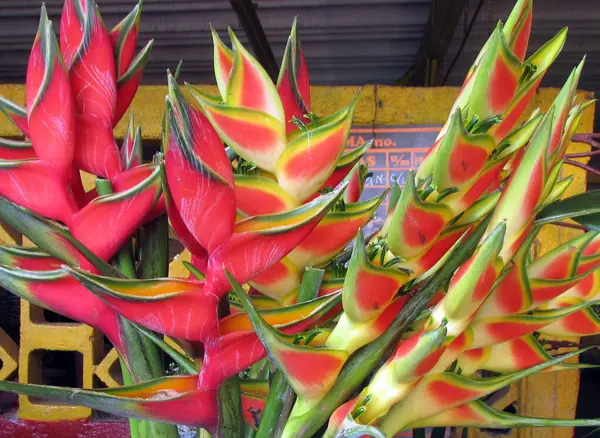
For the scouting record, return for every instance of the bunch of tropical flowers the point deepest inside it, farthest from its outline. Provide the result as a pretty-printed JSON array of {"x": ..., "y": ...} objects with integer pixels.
[{"x": 292, "y": 322}]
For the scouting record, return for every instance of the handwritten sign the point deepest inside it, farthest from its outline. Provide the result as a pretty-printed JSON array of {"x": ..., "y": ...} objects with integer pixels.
[{"x": 396, "y": 150}]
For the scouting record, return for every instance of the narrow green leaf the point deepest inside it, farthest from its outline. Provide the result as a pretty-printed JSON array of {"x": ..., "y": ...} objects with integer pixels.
[
  {"x": 310, "y": 284},
  {"x": 187, "y": 364},
  {"x": 573, "y": 207}
]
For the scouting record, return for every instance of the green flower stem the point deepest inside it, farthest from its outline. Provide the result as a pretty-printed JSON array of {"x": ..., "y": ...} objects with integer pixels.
[
  {"x": 231, "y": 423},
  {"x": 281, "y": 396},
  {"x": 142, "y": 354},
  {"x": 363, "y": 362},
  {"x": 155, "y": 248}
]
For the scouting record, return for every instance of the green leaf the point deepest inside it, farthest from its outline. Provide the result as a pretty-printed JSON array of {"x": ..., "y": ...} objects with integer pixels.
[
  {"x": 574, "y": 207},
  {"x": 187, "y": 364},
  {"x": 310, "y": 284}
]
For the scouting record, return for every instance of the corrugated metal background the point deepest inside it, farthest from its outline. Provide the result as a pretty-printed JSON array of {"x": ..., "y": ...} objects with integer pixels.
[{"x": 346, "y": 41}]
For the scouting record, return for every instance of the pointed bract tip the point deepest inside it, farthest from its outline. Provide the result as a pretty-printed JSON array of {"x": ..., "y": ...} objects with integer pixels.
[
  {"x": 294, "y": 30},
  {"x": 234, "y": 39}
]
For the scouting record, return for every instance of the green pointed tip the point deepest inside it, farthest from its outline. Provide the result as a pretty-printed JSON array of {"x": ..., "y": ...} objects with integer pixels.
[
  {"x": 235, "y": 42},
  {"x": 194, "y": 271},
  {"x": 130, "y": 124},
  {"x": 294, "y": 30},
  {"x": 178, "y": 69}
]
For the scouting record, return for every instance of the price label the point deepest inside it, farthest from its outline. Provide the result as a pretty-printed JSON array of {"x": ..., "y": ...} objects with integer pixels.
[{"x": 396, "y": 150}]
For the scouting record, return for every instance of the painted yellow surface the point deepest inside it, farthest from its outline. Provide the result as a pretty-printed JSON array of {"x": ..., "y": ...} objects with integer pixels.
[
  {"x": 548, "y": 394},
  {"x": 38, "y": 335}
]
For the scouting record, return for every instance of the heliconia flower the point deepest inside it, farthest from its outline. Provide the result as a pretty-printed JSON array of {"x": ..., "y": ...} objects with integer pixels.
[
  {"x": 21, "y": 180},
  {"x": 523, "y": 190},
  {"x": 415, "y": 225},
  {"x": 16, "y": 150},
  {"x": 175, "y": 307},
  {"x": 361, "y": 299},
  {"x": 334, "y": 232},
  {"x": 358, "y": 176},
  {"x": 348, "y": 336},
  {"x": 88, "y": 54},
  {"x": 123, "y": 38},
  {"x": 128, "y": 82},
  {"x": 254, "y": 135},
  {"x": 563, "y": 104},
  {"x": 238, "y": 346},
  {"x": 181, "y": 230},
  {"x": 293, "y": 83},
  {"x": 496, "y": 79},
  {"x": 345, "y": 164},
  {"x": 430, "y": 258},
  {"x": 412, "y": 359},
  {"x": 198, "y": 172},
  {"x": 479, "y": 414},
  {"x": 584, "y": 290},
  {"x": 297, "y": 361},
  {"x": 16, "y": 114},
  {"x": 289, "y": 319},
  {"x": 310, "y": 158},
  {"x": 517, "y": 28},
  {"x": 130, "y": 178},
  {"x": 494, "y": 329},
  {"x": 96, "y": 151},
  {"x": 584, "y": 322},
  {"x": 249, "y": 85},
  {"x": 121, "y": 213},
  {"x": 256, "y": 194},
  {"x": 512, "y": 100},
  {"x": 534, "y": 69},
  {"x": 268, "y": 238},
  {"x": 280, "y": 281},
  {"x": 461, "y": 156},
  {"x": 129, "y": 69},
  {"x": 223, "y": 62},
  {"x": 470, "y": 285},
  {"x": 131, "y": 149},
  {"x": 173, "y": 399},
  {"x": 50, "y": 107},
  {"x": 251, "y": 119},
  {"x": 508, "y": 357},
  {"x": 438, "y": 392},
  {"x": 530, "y": 284}
]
